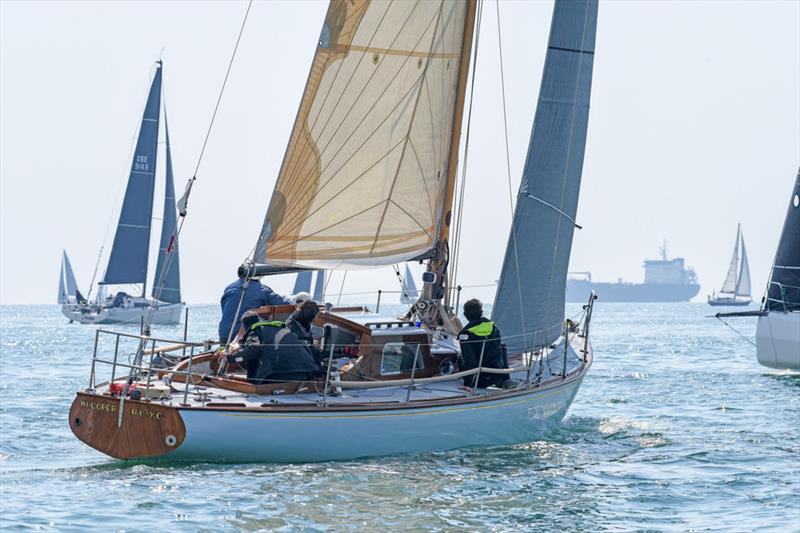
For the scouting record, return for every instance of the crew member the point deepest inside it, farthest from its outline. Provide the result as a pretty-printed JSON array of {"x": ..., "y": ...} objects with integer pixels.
[
  {"x": 255, "y": 295},
  {"x": 300, "y": 323},
  {"x": 480, "y": 333},
  {"x": 271, "y": 352}
]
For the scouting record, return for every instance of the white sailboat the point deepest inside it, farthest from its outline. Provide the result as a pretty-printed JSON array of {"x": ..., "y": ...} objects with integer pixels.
[
  {"x": 368, "y": 180},
  {"x": 128, "y": 261},
  {"x": 736, "y": 287}
]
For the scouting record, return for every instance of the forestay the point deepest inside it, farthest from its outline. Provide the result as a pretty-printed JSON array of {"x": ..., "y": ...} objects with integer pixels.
[
  {"x": 171, "y": 290},
  {"x": 128, "y": 260},
  {"x": 529, "y": 305},
  {"x": 363, "y": 180},
  {"x": 783, "y": 293}
]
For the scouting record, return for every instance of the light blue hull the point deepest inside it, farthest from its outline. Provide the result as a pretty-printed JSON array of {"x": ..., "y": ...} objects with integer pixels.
[{"x": 242, "y": 436}]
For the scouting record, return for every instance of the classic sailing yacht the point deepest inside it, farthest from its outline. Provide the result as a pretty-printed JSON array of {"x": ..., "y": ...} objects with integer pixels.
[
  {"x": 736, "y": 287},
  {"x": 368, "y": 180},
  {"x": 128, "y": 261}
]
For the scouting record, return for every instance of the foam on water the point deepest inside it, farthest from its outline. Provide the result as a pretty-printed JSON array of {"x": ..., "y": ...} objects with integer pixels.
[{"x": 676, "y": 427}]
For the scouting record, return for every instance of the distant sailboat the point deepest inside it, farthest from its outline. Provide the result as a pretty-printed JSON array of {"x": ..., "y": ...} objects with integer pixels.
[
  {"x": 409, "y": 293},
  {"x": 736, "y": 287},
  {"x": 128, "y": 261}
]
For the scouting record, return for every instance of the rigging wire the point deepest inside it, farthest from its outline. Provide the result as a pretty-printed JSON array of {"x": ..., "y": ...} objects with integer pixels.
[
  {"x": 742, "y": 335},
  {"x": 341, "y": 288},
  {"x": 460, "y": 200},
  {"x": 182, "y": 203},
  {"x": 508, "y": 173},
  {"x": 222, "y": 89}
]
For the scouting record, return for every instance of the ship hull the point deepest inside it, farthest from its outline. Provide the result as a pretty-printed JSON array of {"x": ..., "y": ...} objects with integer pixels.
[
  {"x": 327, "y": 436},
  {"x": 166, "y": 314},
  {"x": 270, "y": 431},
  {"x": 632, "y": 292},
  {"x": 778, "y": 340},
  {"x": 729, "y": 303}
]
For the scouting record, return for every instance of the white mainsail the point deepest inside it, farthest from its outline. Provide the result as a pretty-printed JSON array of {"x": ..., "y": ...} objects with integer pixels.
[
  {"x": 364, "y": 180},
  {"x": 729, "y": 285}
]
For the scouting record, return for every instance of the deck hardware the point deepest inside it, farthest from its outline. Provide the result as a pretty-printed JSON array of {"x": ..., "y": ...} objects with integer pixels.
[
  {"x": 170, "y": 440},
  {"x": 413, "y": 371}
]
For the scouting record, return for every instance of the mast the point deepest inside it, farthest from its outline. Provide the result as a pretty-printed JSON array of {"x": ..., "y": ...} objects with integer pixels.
[{"x": 438, "y": 264}]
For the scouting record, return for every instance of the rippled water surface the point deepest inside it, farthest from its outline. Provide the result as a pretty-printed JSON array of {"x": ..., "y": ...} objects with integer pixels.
[{"x": 676, "y": 427}]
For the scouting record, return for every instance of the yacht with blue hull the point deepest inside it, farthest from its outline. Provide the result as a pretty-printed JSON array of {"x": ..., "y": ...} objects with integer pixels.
[
  {"x": 665, "y": 280},
  {"x": 386, "y": 385}
]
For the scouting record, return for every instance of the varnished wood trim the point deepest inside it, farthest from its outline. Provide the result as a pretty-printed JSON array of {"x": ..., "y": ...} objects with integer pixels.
[{"x": 149, "y": 429}]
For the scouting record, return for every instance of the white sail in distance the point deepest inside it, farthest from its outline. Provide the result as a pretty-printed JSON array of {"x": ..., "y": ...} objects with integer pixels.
[
  {"x": 365, "y": 176},
  {"x": 729, "y": 285},
  {"x": 743, "y": 283}
]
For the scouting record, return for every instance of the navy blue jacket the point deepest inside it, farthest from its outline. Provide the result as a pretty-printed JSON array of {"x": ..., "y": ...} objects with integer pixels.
[{"x": 256, "y": 295}]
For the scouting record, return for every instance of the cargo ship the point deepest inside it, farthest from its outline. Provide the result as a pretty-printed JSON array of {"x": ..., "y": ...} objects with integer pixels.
[{"x": 665, "y": 280}]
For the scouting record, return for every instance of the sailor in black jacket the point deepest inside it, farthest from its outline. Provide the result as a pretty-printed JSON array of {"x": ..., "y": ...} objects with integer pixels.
[
  {"x": 271, "y": 352},
  {"x": 300, "y": 323},
  {"x": 480, "y": 333}
]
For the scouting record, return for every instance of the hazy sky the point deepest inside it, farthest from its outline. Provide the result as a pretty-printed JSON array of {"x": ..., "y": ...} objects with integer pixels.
[{"x": 695, "y": 125}]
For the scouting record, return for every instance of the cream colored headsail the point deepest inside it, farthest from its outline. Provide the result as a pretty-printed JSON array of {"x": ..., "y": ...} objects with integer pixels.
[{"x": 363, "y": 180}]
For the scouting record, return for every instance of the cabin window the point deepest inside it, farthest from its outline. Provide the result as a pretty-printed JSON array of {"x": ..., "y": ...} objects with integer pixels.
[{"x": 398, "y": 358}]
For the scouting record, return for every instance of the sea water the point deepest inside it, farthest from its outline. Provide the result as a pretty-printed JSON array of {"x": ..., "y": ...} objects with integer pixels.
[{"x": 675, "y": 428}]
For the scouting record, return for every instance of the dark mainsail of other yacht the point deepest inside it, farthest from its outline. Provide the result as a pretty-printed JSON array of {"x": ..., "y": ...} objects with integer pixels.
[
  {"x": 128, "y": 260},
  {"x": 129, "y": 253},
  {"x": 169, "y": 290},
  {"x": 409, "y": 293},
  {"x": 319, "y": 287},
  {"x": 529, "y": 305},
  {"x": 778, "y": 330},
  {"x": 736, "y": 287},
  {"x": 67, "y": 286},
  {"x": 302, "y": 282}
]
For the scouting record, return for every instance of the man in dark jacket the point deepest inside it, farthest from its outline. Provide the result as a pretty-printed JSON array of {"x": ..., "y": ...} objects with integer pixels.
[
  {"x": 480, "y": 334},
  {"x": 255, "y": 295},
  {"x": 300, "y": 323},
  {"x": 271, "y": 352}
]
